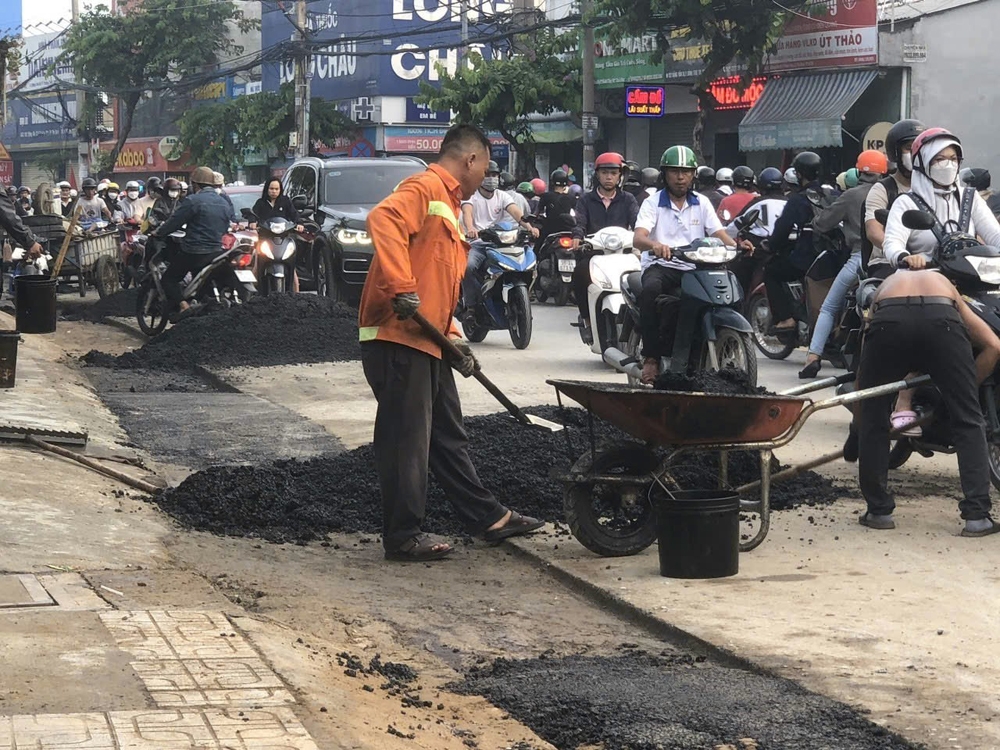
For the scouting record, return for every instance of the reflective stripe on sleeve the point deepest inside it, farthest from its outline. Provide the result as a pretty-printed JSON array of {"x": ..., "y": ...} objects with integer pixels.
[
  {"x": 367, "y": 333},
  {"x": 442, "y": 209}
]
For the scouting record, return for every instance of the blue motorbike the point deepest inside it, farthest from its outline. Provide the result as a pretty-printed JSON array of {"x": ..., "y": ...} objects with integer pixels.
[{"x": 506, "y": 278}]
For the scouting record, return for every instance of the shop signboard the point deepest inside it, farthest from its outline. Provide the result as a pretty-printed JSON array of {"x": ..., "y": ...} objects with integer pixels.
[
  {"x": 874, "y": 137},
  {"x": 625, "y": 62},
  {"x": 644, "y": 101},
  {"x": 791, "y": 135},
  {"x": 416, "y": 112},
  {"x": 40, "y": 119},
  {"x": 148, "y": 155},
  {"x": 40, "y": 69},
  {"x": 6, "y": 166},
  {"x": 417, "y": 140},
  {"x": 836, "y": 33},
  {"x": 729, "y": 93},
  {"x": 378, "y": 47}
]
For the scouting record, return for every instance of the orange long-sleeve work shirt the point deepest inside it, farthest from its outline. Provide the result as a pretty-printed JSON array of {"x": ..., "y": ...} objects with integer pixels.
[{"x": 418, "y": 248}]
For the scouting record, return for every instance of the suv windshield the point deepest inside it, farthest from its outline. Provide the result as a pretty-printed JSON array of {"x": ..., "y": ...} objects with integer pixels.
[{"x": 364, "y": 184}]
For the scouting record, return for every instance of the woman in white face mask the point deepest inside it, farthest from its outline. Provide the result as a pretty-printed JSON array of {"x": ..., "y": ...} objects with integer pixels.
[{"x": 937, "y": 159}]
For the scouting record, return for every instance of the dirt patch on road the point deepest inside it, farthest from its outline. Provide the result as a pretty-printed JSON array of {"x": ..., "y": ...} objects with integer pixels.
[
  {"x": 301, "y": 501},
  {"x": 118, "y": 305},
  {"x": 675, "y": 702},
  {"x": 276, "y": 330}
]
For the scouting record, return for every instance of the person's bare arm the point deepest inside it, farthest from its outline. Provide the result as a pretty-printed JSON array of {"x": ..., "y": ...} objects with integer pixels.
[
  {"x": 470, "y": 225},
  {"x": 875, "y": 232},
  {"x": 984, "y": 340}
]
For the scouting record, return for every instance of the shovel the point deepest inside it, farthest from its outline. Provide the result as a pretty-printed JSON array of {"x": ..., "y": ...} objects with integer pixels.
[{"x": 445, "y": 343}]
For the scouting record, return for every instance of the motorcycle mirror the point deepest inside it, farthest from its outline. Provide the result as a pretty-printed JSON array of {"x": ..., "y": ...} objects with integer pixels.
[
  {"x": 300, "y": 202},
  {"x": 247, "y": 214},
  {"x": 306, "y": 213},
  {"x": 747, "y": 219},
  {"x": 914, "y": 219},
  {"x": 882, "y": 216}
]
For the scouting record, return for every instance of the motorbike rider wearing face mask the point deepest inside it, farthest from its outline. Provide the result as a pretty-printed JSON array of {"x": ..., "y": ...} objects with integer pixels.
[
  {"x": 555, "y": 206},
  {"x": 486, "y": 207},
  {"x": 883, "y": 194},
  {"x": 674, "y": 217},
  {"x": 604, "y": 206},
  {"x": 111, "y": 194},
  {"x": 23, "y": 202},
  {"x": 128, "y": 203}
]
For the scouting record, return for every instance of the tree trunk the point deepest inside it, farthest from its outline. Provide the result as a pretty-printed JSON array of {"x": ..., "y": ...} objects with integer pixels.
[
  {"x": 525, "y": 154},
  {"x": 705, "y": 106},
  {"x": 129, "y": 103},
  {"x": 723, "y": 55}
]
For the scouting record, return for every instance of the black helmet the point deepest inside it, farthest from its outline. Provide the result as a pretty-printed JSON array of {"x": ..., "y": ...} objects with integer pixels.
[
  {"x": 900, "y": 133},
  {"x": 22, "y": 189},
  {"x": 88, "y": 182},
  {"x": 171, "y": 184},
  {"x": 153, "y": 185},
  {"x": 704, "y": 177},
  {"x": 558, "y": 178},
  {"x": 649, "y": 177},
  {"x": 11, "y": 190},
  {"x": 743, "y": 177},
  {"x": 492, "y": 168},
  {"x": 976, "y": 177},
  {"x": 506, "y": 181},
  {"x": 632, "y": 173},
  {"x": 769, "y": 179},
  {"x": 808, "y": 165}
]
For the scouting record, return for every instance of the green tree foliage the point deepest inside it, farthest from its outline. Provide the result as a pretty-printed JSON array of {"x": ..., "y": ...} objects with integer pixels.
[
  {"x": 744, "y": 30},
  {"x": 155, "y": 44},
  {"x": 222, "y": 135},
  {"x": 499, "y": 94}
]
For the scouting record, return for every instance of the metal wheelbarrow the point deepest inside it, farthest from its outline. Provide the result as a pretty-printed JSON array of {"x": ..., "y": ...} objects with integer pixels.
[{"x": 608, "y": 489}]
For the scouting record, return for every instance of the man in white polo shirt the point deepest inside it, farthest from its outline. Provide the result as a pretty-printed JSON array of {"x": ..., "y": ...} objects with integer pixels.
[{"x": 673, "y": 217}]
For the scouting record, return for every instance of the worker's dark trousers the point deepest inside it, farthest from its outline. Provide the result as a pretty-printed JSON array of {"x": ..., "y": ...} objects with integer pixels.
[
  {"x": 777, "y": 272},
  {"x": 419, "y": 426},
  {"x": 906, "y": 336},
  {"x": 659, "y": 323}
]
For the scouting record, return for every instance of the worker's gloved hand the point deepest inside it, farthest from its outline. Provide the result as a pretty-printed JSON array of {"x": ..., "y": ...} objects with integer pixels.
[
  {"x": 405, "y": 305},
  {"x": 468, "y": 364}
]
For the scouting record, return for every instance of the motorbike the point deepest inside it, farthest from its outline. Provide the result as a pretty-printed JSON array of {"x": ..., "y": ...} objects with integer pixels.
[
  {"x": 611, "y": 256},
  {"x": 132, "y": 250},
  {"x": 711, "y": 334},
  {"x": 228, "y": 280},
  {"x": 556, "y": 263},
  {"x": 275, "y": 252},
  {"x": 506, "y": 277},
  {"x": 974, "y": 269}
]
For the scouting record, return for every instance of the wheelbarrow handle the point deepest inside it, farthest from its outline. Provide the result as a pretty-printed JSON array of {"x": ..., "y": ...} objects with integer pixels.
[{"x": 448, "y": 346}]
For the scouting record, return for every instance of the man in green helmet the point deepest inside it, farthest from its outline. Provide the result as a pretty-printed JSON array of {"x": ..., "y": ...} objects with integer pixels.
[{"x": 673, "y": 217}]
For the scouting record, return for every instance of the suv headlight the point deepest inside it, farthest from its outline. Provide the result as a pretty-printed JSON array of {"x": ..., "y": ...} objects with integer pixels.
[
  {"x": 987, "y": 268},
  {"x": 353, "y": 237}
]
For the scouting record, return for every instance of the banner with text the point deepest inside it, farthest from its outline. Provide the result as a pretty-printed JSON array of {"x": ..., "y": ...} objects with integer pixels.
[{"x": 846, "y": 34}]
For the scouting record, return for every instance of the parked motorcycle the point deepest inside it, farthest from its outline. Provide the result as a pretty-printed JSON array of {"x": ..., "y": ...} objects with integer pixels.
[
  {"x": 975, "y": 270},
  {"x": 227, "y": 280},
  {"x": 556, "y": 263},
  {"x": 611, "y": 256},
  {"x": 507, "y": 277},
  {"x": 711, "y": 331}
]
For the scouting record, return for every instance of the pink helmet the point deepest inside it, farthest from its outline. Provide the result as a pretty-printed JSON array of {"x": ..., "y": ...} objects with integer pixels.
[
  {"x": 931, "y": 134},
  {"x": 539, "y": 185}
]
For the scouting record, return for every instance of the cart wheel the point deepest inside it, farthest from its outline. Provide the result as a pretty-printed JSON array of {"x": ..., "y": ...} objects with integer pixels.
[
  {"x": 613, "y": 520},
  {"x": 106, "y": 277}
]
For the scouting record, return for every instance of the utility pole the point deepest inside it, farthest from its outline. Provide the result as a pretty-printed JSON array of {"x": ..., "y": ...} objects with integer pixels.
[
  {"x": 302, "y": 84},
  {"x": 83, "y": 142},
  {"x": 589, "y": 119}
]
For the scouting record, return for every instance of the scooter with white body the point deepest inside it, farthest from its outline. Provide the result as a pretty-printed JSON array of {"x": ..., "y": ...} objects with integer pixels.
[{"x": 611, "y": 256}]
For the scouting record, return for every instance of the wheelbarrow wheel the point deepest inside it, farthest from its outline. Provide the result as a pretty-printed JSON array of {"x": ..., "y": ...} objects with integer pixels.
[
  {"x": 902, "y": 449},
  {"x": 613, "y": 520}
]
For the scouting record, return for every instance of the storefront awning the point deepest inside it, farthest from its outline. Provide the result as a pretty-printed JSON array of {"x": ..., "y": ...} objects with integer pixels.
[{"x": 803, "y": 111}]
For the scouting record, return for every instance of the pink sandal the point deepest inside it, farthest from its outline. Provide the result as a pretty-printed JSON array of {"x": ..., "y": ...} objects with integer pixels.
[{"x": 900, "y": 420}]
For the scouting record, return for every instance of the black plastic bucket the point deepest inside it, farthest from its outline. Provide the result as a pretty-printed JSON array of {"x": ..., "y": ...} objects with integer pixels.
[
  {"x": 8, "y": 357},
  {"x": 699, "y": 534},
  {"x": 36, "y": 304}
]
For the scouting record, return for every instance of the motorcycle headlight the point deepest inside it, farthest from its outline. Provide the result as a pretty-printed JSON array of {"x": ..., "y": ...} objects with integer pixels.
[
  {"x": 613, "y": 243},
  {"x": 288, "y": 250},
  {"x": 600, "y": 278},
  {"x": 507, "y": 237},
  {"x": 987, "y": 268},
  {"x": 353, "y": 237},
  {"x": 710, "y": 254},
  {"x": 265, "y": 249}
]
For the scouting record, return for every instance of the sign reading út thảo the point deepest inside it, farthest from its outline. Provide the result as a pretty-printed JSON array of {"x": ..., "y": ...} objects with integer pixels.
[{"x": 644, "y": 101}]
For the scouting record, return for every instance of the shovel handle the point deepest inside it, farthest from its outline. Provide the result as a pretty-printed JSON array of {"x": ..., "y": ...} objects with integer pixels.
[{"x": 449, "y": 347}]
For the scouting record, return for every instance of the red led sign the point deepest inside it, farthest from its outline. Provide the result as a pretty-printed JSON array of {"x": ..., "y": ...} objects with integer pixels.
[
  {"x": 727, "y": 94},
  {"x": 644, "y": 101}
]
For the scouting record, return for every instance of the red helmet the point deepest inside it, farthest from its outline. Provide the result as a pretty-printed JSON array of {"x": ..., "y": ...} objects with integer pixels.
[
  {"x": 931, "y": 134},
  {"x": 609, "y": 159},
  {"x": 539, "y": 185}
]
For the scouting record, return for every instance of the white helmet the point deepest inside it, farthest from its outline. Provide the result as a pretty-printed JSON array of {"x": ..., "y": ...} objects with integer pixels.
[
  {"x": 791, "y": 176},
  {"x": 73, "y": 193},
  {"x": 63, "y": 185},
  {"x": 184, "y": 185},
  {"x": 724, "y": 176},
  {"x": 131, "y": 185}
]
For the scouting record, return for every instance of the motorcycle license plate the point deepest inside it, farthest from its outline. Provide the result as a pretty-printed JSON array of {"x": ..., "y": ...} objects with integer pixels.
[
  {"x": 246, "y": 276},
  {"x": 567, "y": 264}
]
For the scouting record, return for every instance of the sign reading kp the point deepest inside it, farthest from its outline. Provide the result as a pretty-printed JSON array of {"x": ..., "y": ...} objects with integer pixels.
[{"x": 644, "y": 101}]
